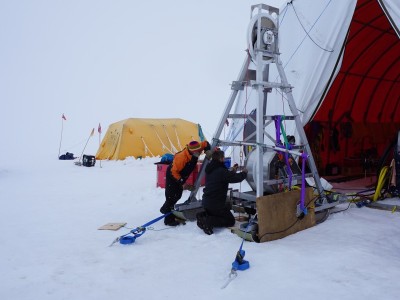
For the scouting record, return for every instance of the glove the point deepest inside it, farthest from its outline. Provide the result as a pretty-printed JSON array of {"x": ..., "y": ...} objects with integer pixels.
[
  {"x": 207, "y": 147},
  {"x": 234, "y": 168},
  {"x": 209, "y": 154}
]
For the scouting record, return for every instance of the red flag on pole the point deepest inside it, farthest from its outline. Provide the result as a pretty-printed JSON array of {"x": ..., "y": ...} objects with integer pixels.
[
  {"x": 99, "y": 128},
  {"x": 64, "y": 117}
]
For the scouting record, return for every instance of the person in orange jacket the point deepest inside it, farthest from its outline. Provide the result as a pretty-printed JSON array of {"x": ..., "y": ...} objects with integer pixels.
[{"x": 177, "y": 173}]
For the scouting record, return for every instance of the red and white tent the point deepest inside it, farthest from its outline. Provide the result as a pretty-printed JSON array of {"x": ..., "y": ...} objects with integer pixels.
[{"x": 343, "y": 59}]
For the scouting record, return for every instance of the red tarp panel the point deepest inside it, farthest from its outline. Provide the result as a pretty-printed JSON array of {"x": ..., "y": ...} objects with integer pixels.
[{"x": 360, "y": 114}]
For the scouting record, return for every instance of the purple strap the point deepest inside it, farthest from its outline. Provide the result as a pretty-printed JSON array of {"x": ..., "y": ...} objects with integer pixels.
[
  {"x": 289, "y": 169},
  {"x": 278, "y": 121},
  {"x": 303, "y": 182},
  {"x": 278, "y": 130}
]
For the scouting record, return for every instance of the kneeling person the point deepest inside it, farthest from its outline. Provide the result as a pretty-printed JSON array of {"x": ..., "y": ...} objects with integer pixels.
[{"x": 218, "y": 177}]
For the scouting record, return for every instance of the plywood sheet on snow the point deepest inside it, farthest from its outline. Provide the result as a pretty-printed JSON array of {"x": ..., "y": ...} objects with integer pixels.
[
  {"x": 112, "y": 226},
  {"x": 277, "y": 215}
]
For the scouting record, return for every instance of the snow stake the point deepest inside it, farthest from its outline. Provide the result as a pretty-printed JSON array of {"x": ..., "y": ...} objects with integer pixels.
[
  {"x": 239, "y": 263},
  {"x": 126, "y": 239}
]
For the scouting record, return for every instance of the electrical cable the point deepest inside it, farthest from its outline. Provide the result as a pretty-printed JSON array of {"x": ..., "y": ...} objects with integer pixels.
[
  {"x": 307, "y": 32},
  {"x": 338, "y": 211}
]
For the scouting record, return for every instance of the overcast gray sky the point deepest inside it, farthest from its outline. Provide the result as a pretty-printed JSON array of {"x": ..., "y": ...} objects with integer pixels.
[{"x": 104, "y": 61}]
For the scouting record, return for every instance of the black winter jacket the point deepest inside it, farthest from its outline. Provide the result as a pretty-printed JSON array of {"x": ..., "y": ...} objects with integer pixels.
[{"x": 218, "y": 178}]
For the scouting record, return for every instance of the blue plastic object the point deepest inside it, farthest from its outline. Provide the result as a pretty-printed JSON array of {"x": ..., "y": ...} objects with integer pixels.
[
  {"x": 241, "y": 267},
  {"x": 362, "y": 203},
  {"x": 227, "y": 162},
  {"x": 167, "y": 158},
  {"x": 127, "y": 240},
  {"x": 137, "y": 232},
  {"x": 240, "y": 264}
]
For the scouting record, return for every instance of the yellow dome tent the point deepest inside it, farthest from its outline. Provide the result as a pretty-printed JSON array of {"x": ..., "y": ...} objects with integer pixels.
[{"x": 147, "y": 137}]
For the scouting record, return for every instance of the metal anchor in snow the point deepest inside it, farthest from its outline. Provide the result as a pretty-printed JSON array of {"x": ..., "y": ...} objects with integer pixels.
[{"x": 137, "y": 232}]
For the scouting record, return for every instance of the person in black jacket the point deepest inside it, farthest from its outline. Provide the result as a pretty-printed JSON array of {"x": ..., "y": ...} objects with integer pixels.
[{"x": 218, "y": 177}]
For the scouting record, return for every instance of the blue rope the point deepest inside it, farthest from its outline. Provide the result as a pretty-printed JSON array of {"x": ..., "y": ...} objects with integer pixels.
[
  {"x": 239, "y": 263},
  {"x": 137, "y": 232}
]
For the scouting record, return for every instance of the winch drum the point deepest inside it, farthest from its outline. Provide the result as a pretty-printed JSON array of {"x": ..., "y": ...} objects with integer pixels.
[{"x": 271, "y": 162}]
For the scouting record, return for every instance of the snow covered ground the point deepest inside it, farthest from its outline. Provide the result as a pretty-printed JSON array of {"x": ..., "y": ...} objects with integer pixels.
[
  {"x": 95, "y": 62},
  {"x": 51, "y": 247}
]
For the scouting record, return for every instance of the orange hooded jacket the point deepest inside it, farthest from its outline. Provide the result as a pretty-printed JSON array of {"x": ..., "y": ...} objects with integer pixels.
[{"x": 184, "y": 163}]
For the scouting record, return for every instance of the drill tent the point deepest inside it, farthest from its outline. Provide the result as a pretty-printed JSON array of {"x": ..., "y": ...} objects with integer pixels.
[
  {"x": 343, "y": 60},
  {"x": 337, "y": 65},
  {"x": 138, "y": 137}
]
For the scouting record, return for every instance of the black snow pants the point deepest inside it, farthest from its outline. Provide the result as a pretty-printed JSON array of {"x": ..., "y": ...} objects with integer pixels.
[
  {"x": 173, "y": 192},
  {"x": 220, "y": 217}
]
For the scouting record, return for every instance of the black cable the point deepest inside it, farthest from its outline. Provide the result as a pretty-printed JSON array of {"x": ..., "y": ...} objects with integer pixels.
[
  {"x": 338, "y": 211},
  {"x": 327, "y": 50}
]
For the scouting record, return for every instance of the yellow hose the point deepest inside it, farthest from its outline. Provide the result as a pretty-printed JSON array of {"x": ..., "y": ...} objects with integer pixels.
[{"x": 381, "y": 182}]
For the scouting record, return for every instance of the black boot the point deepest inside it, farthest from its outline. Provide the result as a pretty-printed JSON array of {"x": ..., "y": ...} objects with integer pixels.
[
  {"x": 199, "y": 219},
  {"x": 165, "y": 209},
  {"x": 203, "y": 224},
  {"x": 393, "y": 191},
  {"x": 207, "y": 228},
  {"x": 170, "y": 220}
]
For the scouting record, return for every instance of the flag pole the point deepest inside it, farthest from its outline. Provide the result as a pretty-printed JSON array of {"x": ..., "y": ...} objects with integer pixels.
[
  {"x": 91, "y": 134},
  {"x": 62, "y": 128}
]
